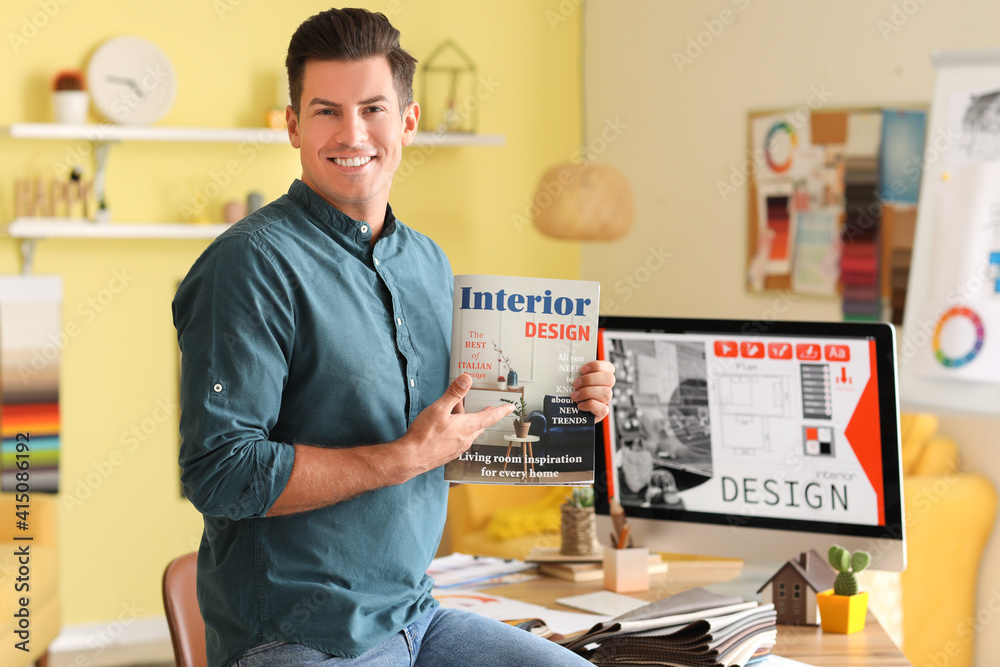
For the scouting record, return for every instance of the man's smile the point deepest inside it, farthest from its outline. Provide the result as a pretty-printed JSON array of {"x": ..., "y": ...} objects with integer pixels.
[{"x": 351, "y": 161}]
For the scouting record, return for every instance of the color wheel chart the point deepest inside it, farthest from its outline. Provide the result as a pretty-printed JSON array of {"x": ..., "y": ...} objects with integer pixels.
[
  {"x": 958, "y": 337},
  {"x": 779, "y": 146}
]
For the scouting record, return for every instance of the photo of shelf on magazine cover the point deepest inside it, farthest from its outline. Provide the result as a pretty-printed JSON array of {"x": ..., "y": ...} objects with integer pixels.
[{"x": 523, "y": 341}]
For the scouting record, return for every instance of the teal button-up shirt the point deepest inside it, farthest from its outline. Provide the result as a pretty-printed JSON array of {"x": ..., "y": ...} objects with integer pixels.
[{"x": 294, "y": 329}]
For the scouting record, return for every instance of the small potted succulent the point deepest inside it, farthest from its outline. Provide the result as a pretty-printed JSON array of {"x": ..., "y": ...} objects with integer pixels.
[
  {"x": 69, "y": 97},
  {"x": 843, "y": 609},
  {"x": 521, "y": 423}
]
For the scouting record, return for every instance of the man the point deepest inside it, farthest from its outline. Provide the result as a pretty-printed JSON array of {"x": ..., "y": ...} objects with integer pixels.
[{"x": 314, "y": 338}]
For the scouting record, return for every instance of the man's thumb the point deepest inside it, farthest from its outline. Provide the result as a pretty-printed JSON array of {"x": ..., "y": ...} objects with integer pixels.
[{"x": 459, "y": 388}]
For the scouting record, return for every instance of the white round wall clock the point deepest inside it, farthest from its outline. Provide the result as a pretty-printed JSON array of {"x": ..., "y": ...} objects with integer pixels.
[{"x": 131, "y": 81}]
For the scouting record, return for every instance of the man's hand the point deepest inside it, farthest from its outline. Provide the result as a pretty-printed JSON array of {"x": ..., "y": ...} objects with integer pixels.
[
  {"x": 443, "y": 430},
  {"x": 592, "y": 390},
  {"x": 323, "y": 476}
]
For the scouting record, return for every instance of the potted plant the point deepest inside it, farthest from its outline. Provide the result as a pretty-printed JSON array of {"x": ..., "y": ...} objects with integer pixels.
[
  {"x": 521, "y": 423},
  {"x": 69, "y": 97},
  {"x": 843, "y": 609},
  {"x": 579, "y": 525}
]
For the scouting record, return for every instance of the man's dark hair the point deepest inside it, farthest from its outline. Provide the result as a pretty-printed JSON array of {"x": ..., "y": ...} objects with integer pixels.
[{"x": 349, "y": 35}]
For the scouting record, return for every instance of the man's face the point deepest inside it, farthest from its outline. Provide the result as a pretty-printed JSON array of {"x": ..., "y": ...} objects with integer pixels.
[{"x": 350, "y": 134}]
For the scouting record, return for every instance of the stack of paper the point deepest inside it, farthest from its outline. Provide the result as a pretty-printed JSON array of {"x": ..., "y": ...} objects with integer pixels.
[
  {"x": 458, "y": 570},
  {"x": 696, "y": 627}
]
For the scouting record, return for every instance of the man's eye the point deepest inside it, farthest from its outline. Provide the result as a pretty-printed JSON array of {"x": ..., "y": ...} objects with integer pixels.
[{"x": 374, "y": 109}]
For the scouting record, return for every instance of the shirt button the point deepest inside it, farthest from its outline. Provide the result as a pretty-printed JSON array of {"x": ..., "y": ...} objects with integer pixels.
[
  {"x": 364, "y": 229},
  {"x": 413, "y": 382},
  {"x": 376, "y": 261},
  {"x": 217, "y": 388},
  {"x": 399, "y": 321}
]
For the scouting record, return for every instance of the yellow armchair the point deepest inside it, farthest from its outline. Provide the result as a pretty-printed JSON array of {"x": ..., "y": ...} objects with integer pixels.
[
  {"x": 503, "y": 521},
  {"x": 36, "y": 581},
  {"x": 949, "y": 518}
]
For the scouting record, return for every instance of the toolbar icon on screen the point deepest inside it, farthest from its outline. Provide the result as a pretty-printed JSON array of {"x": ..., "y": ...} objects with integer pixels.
[
  {"x": 726, "y": 348},
  {"x": 807, "y": 351},
  {"x": 779, "y": 350}
]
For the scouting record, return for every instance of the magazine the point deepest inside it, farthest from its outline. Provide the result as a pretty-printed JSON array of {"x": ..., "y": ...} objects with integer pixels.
[{"x": 523, "y": 341}]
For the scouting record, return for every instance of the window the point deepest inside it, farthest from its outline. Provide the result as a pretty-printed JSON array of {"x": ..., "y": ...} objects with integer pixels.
[
  {"x": 781, "y": 590},
  {"x": 797, "y": 591}
]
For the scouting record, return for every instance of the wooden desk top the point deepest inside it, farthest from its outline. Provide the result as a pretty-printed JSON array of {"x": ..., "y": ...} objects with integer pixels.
[{"x": 869, "y": 647}]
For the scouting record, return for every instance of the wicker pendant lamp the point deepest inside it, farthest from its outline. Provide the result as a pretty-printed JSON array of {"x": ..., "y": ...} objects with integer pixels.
[{"x": 584, "y": 201}]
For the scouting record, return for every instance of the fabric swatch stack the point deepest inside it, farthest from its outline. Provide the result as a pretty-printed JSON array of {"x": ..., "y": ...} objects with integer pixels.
[
  {"x": 696, "y": 627},
  {"x": 860, "y": 261}
]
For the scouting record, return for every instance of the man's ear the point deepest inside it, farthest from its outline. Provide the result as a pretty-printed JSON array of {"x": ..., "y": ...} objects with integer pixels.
[
  {"x": 410, "y": 118},
  {"x": 292, "y": 123}
]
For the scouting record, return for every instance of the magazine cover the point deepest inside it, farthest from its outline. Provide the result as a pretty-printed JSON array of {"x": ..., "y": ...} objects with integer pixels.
[{"x": 523, "y": 341}]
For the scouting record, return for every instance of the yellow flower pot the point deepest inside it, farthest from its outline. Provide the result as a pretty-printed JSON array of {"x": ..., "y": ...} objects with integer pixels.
[{"x": 842, "y": 614}]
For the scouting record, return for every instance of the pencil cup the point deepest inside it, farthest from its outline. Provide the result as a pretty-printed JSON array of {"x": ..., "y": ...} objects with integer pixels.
[{"x": 626, "y": 570}]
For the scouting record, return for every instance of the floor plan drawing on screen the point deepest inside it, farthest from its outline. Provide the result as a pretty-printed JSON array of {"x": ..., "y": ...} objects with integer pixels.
[{"x": 749, "y": 404}]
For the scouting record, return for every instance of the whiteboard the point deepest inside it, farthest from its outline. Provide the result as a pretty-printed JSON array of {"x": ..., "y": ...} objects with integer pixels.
[{"x": 949, "y": 347}]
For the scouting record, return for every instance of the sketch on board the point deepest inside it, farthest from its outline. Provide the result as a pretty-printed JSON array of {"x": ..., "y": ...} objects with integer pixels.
[{"x": 976, "y": 117}]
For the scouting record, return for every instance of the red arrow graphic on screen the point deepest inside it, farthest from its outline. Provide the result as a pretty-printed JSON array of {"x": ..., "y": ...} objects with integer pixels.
[{"x": 864, "y": 434}]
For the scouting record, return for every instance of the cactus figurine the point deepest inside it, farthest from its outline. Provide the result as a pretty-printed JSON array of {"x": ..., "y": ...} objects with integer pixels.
[
  {"x": 847, "y": 565},
  {"x": 843, "y": 610}
]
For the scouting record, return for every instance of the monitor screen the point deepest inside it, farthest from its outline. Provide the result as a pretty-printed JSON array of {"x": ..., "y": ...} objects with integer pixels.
[{"x": 753, "y": 439}]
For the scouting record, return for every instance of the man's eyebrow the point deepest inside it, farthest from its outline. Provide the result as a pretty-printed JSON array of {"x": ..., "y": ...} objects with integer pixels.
[{"x": 319, "y": 101}]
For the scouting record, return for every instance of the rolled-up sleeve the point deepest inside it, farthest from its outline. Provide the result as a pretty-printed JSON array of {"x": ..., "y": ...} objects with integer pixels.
[{"x": 234, "y": 318}]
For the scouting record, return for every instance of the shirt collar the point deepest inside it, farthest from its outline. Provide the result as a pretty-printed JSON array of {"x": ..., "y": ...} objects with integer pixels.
[{"x": 326, "y": 213}]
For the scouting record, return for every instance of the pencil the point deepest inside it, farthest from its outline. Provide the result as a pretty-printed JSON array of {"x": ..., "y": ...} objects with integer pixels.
[{"x": 623, "y": 538}]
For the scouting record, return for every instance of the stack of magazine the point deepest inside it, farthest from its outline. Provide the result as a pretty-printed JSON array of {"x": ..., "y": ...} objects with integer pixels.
[{"x": 696, "y": 627}]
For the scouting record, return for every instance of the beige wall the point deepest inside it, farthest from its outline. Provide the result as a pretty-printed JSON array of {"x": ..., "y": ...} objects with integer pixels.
[{"x": 683, "y": 130}]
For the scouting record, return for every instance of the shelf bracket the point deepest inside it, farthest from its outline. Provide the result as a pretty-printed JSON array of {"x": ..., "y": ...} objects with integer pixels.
[{"x": 27, "y": 255}]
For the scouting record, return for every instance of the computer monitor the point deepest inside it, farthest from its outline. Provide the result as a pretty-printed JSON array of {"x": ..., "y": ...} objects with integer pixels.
[{"x": 749, "y": 439}]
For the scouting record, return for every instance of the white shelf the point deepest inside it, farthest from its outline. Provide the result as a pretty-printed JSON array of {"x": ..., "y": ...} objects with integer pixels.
[
  {"x": 258, "y": 135},
  {"x": 68, "y": 228},
  {"x": 457, "y": 139},
  {"x": 261, "y": 135}
]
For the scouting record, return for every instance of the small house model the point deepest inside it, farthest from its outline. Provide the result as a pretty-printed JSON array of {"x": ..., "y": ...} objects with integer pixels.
[{"x": 793, "y": 588}]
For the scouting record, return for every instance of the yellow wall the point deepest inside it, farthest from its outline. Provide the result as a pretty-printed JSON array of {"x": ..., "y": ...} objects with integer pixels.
[{"x": 122, "y": 518}]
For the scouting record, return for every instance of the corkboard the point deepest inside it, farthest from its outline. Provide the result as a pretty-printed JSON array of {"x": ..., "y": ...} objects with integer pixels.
[{"x": 826, "y": 127}]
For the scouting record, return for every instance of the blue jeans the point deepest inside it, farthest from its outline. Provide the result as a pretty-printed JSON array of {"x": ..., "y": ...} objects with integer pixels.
[{"x": 441, "y": 638}]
